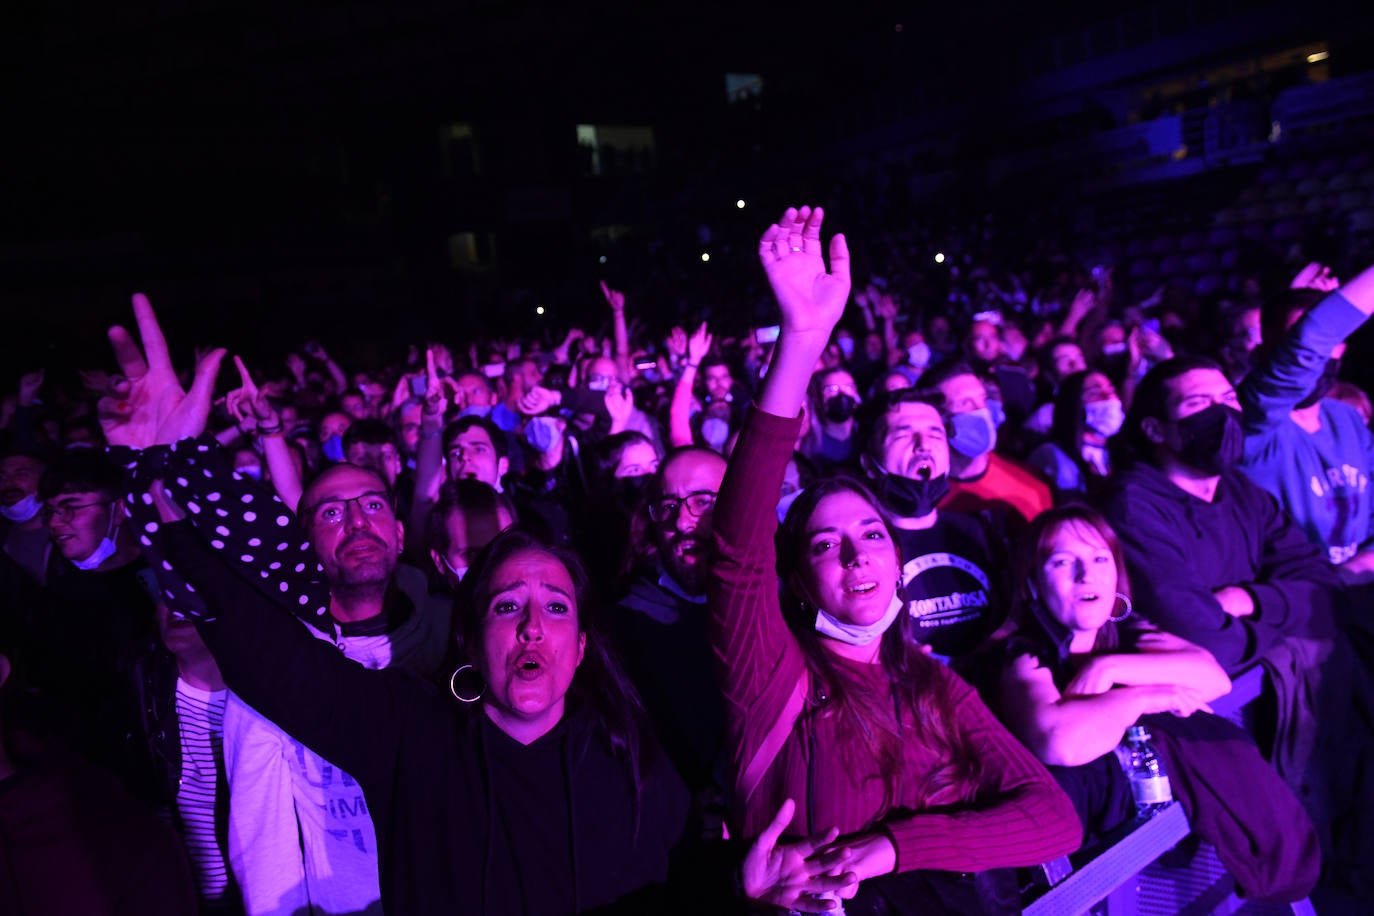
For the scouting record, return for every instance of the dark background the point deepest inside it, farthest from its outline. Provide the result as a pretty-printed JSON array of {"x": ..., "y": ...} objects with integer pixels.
[{"x": 271, "y": 171}]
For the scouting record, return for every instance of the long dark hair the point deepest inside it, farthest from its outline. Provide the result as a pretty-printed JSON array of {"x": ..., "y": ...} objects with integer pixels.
[
  {"x": 600, "y": 684},
  {"x": 1070, "y": 419},
  {"x": 913, "y": 678}
]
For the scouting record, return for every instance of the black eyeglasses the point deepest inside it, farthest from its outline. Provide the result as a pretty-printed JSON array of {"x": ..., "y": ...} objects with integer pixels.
[
  {"x": 67, "y": 511},
  {"x": 698, "y": 504},
  {"x": 335, "y": 511}
]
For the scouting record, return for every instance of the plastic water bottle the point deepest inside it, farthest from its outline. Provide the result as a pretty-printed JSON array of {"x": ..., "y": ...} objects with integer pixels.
[{"x": 1145, "y": 770}]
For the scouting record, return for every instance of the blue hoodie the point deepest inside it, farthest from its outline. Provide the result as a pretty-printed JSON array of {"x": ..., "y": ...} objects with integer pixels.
[{"x": 1321, "y": 479}]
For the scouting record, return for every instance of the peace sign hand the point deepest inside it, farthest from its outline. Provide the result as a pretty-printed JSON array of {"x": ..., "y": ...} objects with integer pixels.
[{"x": 148, "y": 406}]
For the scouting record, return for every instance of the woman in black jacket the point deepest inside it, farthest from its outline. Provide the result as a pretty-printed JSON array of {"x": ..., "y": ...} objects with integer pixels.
[{"x": 529, "y": 790}]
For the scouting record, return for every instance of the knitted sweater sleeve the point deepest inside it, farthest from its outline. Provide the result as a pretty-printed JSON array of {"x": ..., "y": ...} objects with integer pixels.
[
  {"x": 1022, "y": 818},
  {"x": 759, "y": 662}
]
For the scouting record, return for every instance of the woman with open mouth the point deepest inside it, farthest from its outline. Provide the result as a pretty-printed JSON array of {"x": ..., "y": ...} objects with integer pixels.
[
  {"x": 1077, "y": 669},
  {"x": 832, "y": 710},
  {"x": 527, "y": 784}
]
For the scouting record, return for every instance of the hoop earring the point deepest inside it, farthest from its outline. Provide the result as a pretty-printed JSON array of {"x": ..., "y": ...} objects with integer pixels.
[
  {"x": 1130, "y": 609},
  {"x": 453, "y": 686}
]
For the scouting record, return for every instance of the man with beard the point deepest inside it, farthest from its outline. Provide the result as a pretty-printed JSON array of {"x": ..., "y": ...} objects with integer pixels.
[
  {"x": 300, "y": 836},
  {"x": 662, "y": 620},
  {"x": 954, "y": 565},
  {"x": 1315, "y": 455}
]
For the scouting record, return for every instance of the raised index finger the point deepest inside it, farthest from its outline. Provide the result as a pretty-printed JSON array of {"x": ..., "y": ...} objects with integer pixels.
[
  {"x": 154, "y": 344},
  {"x": 245, "y": 378}
]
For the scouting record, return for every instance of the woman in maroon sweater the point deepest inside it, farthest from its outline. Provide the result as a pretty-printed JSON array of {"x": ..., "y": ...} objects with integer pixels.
[{"x": 829, "y": 705}]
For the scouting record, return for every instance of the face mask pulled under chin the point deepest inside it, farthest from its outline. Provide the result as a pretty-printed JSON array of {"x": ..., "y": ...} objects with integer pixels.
[
  {"x": 1211, "y": 440},
  {"x": 910, "y": 497},
  {"x": 103, "y": 551},
  {"x": 856, "y": 634},
  {"x": 24, "y": 510}
]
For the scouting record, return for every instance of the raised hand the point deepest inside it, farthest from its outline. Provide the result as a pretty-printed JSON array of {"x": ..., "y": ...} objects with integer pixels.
[
  {"x": 539, "y": 400},
  {"x": 250, "y": 407},
  {"x": 96, "y": 381},
  {"x": 698, "y": 345},
  {"x": 620, "y": 404},
  {"x": 614, "y": 297},
  {"x": 1082, "y": 305},
  {"x": 676, "y": 343},
  {"x": 436, "y": 400},
  {"x": 811, "y": 298},
  {"x": 148, "y": 405},
  {"x": 443, "y": 359},
  {"x": 792, "y": 875},
  {"x": 887, "y": 307},
  {"x": 29, "y": 384},
  {"x": 295, "y": 364},
  {"x": 1315, "y": 276}
]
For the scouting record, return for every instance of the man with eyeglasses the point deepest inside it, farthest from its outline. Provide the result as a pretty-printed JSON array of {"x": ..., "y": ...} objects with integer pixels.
[
  {"x": 300, "y": 835},
  {"x": 95, "y": 616},
  {"x": 23, "y": 530},
  {"x": 663, "y": 618}
]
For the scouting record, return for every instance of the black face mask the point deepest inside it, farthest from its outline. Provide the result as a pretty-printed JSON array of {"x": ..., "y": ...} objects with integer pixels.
[
  {"x": 1330, "y": 372},
  {"x": 1212, "y": 440},
  {"x": 912, "y": 498},
  {"x": 840, "y": 408}
]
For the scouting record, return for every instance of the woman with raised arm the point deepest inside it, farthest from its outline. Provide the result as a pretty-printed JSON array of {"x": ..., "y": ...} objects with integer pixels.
[
  {"x": 828, "y": 703},
  {"x": 525, "y": 786}
]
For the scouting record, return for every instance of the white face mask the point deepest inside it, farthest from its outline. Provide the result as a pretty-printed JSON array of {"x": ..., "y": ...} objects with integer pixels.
[
  {"x": 1107, "y": 417},
  {"x": 918, "y": 355},
  {"x": 857, "y": 634},
  {"x": 458, "y": 572},
  {"x": 103, "y": 551},
  {"x": 23, "y": 510}
]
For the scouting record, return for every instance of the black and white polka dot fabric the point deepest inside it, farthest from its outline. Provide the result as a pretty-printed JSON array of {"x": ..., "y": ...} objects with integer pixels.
[{"x": 238, "y": 516}]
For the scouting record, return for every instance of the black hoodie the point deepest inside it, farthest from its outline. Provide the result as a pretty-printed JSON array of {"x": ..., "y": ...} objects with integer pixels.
[
  {"x": 451, "y": 838},
  {"x": 1180, "y": 549}
]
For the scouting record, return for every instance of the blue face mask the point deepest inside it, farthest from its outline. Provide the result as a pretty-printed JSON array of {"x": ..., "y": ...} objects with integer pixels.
[
  {"x": 251, "y": 471},
  {"x": 475, "y": 410},
  {"x": 999, "y": 413},
  {"x": 542, "y": 433},
  {"x": 715, "y": 431},
  {"x": 846, "y": 345},
  {"x": 918, "y": 355},
  {"x": 785, "y": 502},
  {"x": 333, "y": 448},
  {"x": 975, "y": 433}
]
